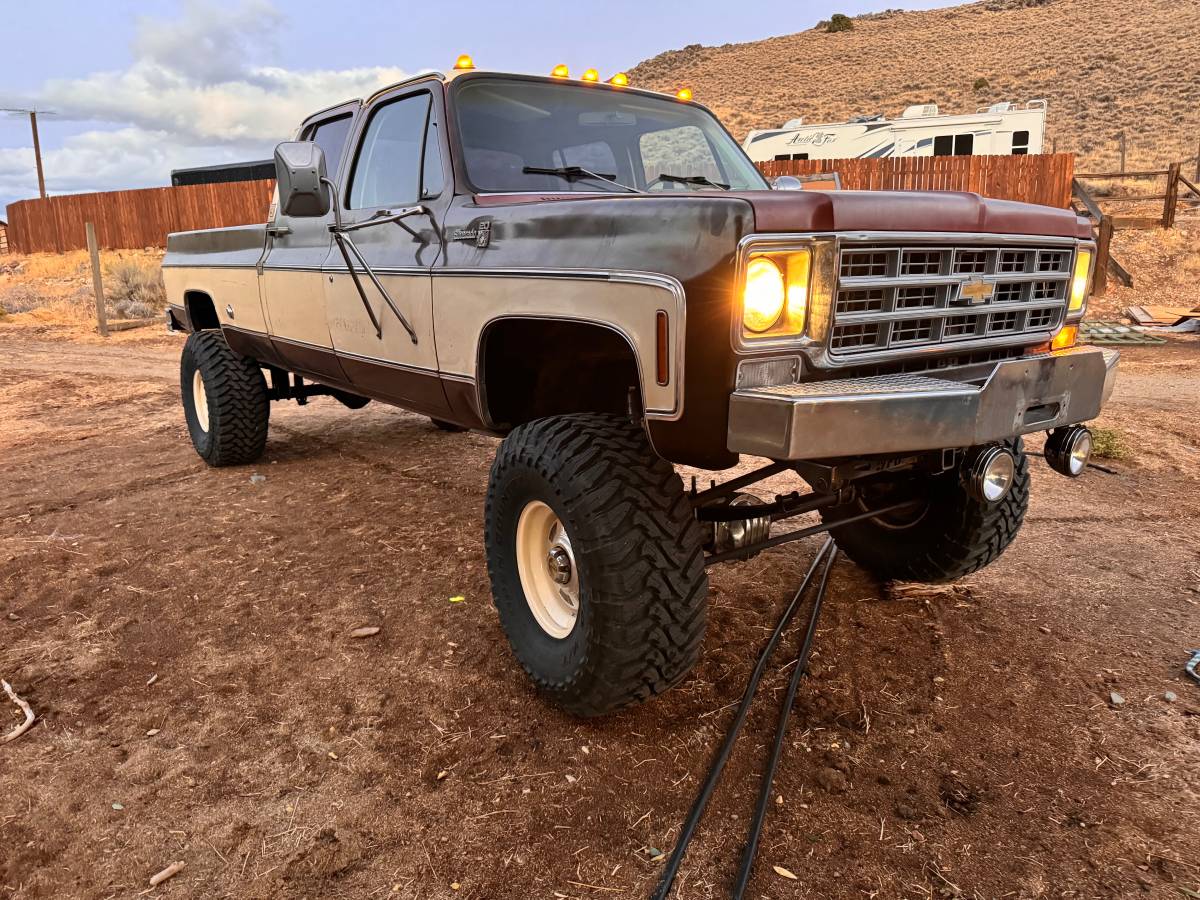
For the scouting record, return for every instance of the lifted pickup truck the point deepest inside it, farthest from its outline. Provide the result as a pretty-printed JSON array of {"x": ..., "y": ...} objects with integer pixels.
[{"x": 600, "y": 276}]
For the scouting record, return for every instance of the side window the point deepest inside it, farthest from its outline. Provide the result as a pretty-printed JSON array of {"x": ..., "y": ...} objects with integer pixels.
[
  {"x": 678, "y": 151},
  {"x": 943, "y": 145},
  {"x": 387, "y": 170},
  {"x": 331, "y": 136},
  {"x": 964, "y": 144},
  {"x": 1020, "y": 143}
]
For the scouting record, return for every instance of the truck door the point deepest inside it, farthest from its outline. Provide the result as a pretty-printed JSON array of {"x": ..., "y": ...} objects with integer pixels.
[
  {"x": 398, "y": 164},
  {"x": 293, "y": 288}
]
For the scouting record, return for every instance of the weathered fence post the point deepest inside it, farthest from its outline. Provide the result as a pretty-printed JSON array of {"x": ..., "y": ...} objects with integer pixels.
[
  {"x": 1172, "y": 200},
  {"x": 1122, "y": 139},
  {"x": 97, "y": 279},
  {"x": 1103, "y": 243}
]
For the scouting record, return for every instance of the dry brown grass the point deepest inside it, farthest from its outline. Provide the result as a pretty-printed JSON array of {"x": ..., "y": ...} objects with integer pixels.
[
  {"x": 53, "y": 291},
  {"x": 1103, "y": 67}
]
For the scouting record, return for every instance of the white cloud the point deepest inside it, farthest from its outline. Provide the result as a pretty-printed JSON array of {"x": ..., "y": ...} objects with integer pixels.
[{"x": 188, "y": 98}]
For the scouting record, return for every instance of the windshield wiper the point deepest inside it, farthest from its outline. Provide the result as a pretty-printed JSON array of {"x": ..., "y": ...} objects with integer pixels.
[
  {"x": 692, "y": 179},
  {"x": 572, "y": 173}
]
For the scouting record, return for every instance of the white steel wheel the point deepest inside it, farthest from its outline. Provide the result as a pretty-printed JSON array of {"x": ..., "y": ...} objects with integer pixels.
[
  {"x": 200, "y": 401},
  {"x": 547, "y": 569}
]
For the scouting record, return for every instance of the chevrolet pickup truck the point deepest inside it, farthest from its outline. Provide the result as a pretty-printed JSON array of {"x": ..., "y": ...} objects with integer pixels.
[{"x": 599, "y": 276}]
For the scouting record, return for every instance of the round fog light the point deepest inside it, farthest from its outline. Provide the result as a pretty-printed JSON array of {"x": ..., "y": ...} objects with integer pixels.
[
  {"x": 991, "y": 474},
  {"x": 1068, "y": 450}
]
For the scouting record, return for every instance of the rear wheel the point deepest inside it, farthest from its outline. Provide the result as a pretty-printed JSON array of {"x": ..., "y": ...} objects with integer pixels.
[
  {"x": 595, "y": 560},
  {"x": 225, "y": 401},
  {"x": 943, "y": 535}
]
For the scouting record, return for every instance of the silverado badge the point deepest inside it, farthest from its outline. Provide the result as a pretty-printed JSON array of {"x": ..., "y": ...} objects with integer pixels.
[{"x": 480, "y": 235}]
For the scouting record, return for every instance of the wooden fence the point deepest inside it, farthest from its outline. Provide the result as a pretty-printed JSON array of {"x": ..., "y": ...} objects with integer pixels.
[
  {"x": 133, "y": 219},
  {"x": 1043, "y": 178},
  {"x": 143, "y": 218}
]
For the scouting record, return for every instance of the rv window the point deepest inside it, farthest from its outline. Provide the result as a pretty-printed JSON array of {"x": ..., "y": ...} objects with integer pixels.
[
  {"x": 1020, "y": 145},
  {"x": 779, "y": 156},
  {"x": 943, "y": 145},
  {"x": 964, "y": 144},
  {"x": 799, "y": 156}
]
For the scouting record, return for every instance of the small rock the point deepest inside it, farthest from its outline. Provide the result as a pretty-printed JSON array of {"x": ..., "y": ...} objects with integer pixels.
[
  {"x": 12, "y": 617},
  {"x": 1044, "y": 629},
  {"x": 1170, "y": 697},
  {"x": 442, "y": 775},
  {"x": 152, "y": 732},
  {"x": 571, "y": 779},
  {"x": 1116, "y": 699},
  {"x": 365, "y": 632},
  {"x": 257, "y": 479},
  {"x": 118, "y": 806}
]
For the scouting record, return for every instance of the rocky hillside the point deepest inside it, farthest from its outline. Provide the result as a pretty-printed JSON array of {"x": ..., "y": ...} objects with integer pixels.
[{"x": 1103, "y": 67}]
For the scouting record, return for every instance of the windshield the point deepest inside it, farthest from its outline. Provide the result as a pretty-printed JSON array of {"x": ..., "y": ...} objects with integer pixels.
[{"x": 572, "y": 133}]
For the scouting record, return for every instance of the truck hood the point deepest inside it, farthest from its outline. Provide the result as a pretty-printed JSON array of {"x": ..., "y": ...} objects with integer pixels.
[{"x": 950, "y": 211}]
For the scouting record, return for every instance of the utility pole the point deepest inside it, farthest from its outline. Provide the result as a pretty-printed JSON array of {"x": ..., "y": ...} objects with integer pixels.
[
  {"x": 37, "y": 146},
  {"x": 37, "y": 154}
]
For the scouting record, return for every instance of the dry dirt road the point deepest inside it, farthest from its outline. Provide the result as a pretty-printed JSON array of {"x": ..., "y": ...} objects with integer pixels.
[{"x": 183, "y": 635}]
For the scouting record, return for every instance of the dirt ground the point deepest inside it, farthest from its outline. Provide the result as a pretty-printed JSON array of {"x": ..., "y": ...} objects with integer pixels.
[{"x": 183, "y": 634}]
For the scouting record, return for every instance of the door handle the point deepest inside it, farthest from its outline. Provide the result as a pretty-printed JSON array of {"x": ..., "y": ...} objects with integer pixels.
[{"x": 278, "y": 230}]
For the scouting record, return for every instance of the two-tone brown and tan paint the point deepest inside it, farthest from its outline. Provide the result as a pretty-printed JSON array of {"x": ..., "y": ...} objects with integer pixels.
[{"x": 612, "y": 260}]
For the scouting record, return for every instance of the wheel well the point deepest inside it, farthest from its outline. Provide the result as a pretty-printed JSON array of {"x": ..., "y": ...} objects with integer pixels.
[
  {"x": 532, "y": 368},
  {"x": 201, "y": 310}
]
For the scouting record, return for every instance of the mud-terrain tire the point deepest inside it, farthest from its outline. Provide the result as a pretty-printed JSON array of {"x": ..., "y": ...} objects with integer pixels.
[
  {"x": 225, "y": 401},
  {"x": 641, "y": 591},
  {"x": 448, "y": 427},
  {"x": 952, "y": 536}
]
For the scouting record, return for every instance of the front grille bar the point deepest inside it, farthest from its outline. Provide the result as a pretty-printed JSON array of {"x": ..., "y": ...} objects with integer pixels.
[{"x": 897, "y": 298}]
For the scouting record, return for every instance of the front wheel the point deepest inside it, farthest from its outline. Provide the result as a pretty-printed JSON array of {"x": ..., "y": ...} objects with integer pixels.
[
  {"x": 595, "y": 560},
  {"x": 943, "y": 535},
  {"x": 225, "y": 401}
]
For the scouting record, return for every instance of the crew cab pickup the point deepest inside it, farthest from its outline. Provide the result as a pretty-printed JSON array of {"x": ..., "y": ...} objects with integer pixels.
[{"x": 599, "y": 276}]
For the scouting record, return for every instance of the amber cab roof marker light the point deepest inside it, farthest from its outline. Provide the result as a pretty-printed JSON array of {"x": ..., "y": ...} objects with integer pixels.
[
  {"x": 620, "y": 80},
  {"x": 590, "y": 75},
  {"x": 684, "y": 94},
  {"x": 560, "y": 71},
  {"x": 463, "y": 63}
]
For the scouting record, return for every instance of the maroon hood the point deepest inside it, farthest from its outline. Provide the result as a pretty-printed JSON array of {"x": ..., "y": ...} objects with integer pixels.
[
  {"x": 907, "y": 211},
  {"x": 814, "y": 210}
]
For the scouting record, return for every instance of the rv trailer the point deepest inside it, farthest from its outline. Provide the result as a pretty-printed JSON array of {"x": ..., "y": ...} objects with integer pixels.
[{"x": 922, "y": 130}]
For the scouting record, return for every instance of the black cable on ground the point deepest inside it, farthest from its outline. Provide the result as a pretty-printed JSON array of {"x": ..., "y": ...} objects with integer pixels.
[
  {"x": 768, "y": 778},
  {"x": 667, "y": 880}
]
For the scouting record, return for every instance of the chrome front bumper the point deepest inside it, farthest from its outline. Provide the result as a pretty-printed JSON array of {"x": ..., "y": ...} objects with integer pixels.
[{"x": 903, "y": 413}]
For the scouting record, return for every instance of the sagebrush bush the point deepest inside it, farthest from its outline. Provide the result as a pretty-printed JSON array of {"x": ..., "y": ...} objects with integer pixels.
[
  {"x": 982, "y": 84},
  {"x": 134, "y": 290},
  {"x": 839, "y": 22},
  {"x": 20, "y": 298}
]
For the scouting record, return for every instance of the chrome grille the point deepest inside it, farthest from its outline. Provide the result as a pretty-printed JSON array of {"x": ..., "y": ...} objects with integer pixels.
[{"x": 898, "y": 297}]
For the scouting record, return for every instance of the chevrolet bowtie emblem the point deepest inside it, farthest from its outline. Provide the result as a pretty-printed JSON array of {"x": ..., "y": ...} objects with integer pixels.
[{"x": 974, "y": 292}]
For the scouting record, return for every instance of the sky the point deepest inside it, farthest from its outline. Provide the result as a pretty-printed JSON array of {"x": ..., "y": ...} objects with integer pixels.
[{"x": 132, "y": 90}]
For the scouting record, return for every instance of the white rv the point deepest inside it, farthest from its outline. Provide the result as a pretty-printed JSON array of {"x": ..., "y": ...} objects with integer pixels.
[{"x": 1000, "y": 129}]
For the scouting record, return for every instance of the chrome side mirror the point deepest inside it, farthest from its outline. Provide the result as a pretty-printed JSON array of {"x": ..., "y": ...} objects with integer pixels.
[
  {"x": 787, "y": 183},
  {"x": 301, "y": 176}
]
